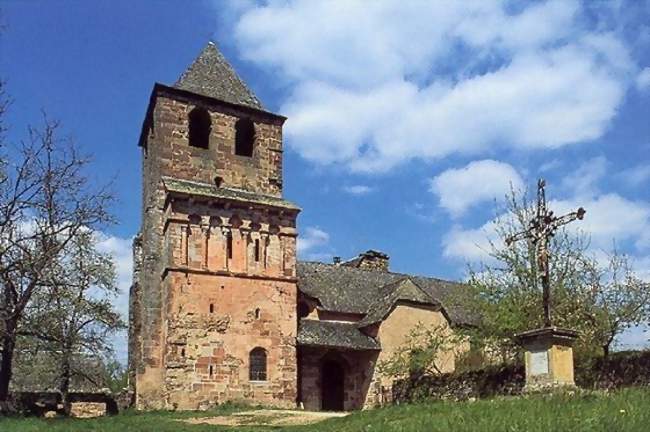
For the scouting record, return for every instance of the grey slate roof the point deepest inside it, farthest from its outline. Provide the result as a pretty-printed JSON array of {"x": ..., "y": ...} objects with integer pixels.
[
  {"x": 334, "y": 334},
  {"x": 211, "y": 75},
  {"x": 353, "y": 290},
  {"x": 404, "y": 289},
  {"x": 212, "y": 191}
]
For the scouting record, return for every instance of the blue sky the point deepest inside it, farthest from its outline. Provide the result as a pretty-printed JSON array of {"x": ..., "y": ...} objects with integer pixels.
[{"x": 406, "y": 119}]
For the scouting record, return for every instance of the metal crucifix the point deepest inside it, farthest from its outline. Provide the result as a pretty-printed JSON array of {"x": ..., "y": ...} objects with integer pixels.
[{"x": 541, "y": 228}]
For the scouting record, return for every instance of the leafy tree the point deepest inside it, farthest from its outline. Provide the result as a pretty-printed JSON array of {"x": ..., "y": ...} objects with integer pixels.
[
  {"x": 613, "y": 300},
  {"x": 77, "y": 317},
  {"x": 597, "y": 301}
]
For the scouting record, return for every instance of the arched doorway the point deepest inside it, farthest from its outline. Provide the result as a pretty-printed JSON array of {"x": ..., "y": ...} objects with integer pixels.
[{"x": 332, "y": 385}]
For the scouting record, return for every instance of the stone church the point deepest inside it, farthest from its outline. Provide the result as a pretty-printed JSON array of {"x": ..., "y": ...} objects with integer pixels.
[{"x": 220, "y": 308}]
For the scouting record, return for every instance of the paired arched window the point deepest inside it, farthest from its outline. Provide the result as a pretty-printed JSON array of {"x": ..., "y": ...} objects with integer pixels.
[
  {"x": 244, "y": 137},
  {"x": 199, "y": 128},
  {"x": 257, "y": 365}
]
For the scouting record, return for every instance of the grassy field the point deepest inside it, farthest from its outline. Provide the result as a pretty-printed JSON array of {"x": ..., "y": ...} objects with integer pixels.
[{"x": 625, "y": 410}]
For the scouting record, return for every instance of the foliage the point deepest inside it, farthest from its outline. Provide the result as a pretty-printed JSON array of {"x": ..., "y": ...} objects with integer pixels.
[
  {"x": 620, "y": 369},
  {"x": 76, "y": 318},
  {"x": 612, "y": 300},
  {"x": 598, "y": 301},
  {"x": 421, "y": 353},
  {"x": 115, "y": 376},
  {"x": 619, "y": 411}
]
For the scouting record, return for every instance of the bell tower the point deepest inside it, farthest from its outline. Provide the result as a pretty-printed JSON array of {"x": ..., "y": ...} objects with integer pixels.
[{"x": 213, "y": 301}]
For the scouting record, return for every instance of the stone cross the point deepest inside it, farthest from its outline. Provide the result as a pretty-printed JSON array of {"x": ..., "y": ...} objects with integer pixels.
[{"x": 541, "y": 228}]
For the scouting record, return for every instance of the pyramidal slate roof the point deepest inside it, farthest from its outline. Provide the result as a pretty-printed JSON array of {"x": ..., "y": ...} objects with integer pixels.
[{"x": 211, "y": 75}]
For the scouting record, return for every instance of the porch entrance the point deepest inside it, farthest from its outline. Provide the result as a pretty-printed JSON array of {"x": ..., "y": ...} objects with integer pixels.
[{"x": 332, "y": 385}]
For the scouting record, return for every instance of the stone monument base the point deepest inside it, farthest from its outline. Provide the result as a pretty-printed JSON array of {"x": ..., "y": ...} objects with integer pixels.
[{"x": 548, "y": 355}]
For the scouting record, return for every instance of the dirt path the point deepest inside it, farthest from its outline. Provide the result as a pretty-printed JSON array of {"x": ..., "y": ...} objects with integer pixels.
[{"x": 266, "y": 417}]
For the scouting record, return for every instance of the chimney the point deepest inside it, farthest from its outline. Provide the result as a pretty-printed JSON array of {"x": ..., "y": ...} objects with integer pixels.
[{"x": 370, "y": 260}]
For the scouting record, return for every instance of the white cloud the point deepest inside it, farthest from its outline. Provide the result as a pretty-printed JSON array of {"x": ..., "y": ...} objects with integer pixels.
[
  {"x": 471, "y": 245},
  {"x": 583, "y": 182},
  {"x": 551, "y": 165},
  {"x": 610, "y": 218},
  {"x": 478, "y": 181},
  {"x": 310, "y": 241},
  {"x": 370, "y": 85},
  {"x": 357, "y": 189},
  {"x": 637, "y": 175},
  {"x": 641, "y": 266},
  {"x": 120, "y": 249},
  {"x": 643, "y": 79}
]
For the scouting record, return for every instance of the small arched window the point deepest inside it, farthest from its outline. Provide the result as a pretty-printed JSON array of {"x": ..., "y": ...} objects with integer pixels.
[
  {"x": 257, "y": 365},
  {"x": 244, "y": 137},
  {"x": 199, "y": 128}
]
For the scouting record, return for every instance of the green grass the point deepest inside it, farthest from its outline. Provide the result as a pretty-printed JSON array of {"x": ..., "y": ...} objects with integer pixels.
[{"x": 624, "y": 410}]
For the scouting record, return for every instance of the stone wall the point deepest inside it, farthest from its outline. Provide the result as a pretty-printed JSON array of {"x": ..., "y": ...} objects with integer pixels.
[
  {"x": 360, "y": 390},
  {"x": 622, "y": 369},
  {"x": 483, "y": 383},
  {"x": 260, "y": 173},
  {"x": 83, "y": 404}
]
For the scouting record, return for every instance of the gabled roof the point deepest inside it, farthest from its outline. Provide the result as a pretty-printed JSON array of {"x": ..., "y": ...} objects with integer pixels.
[
  {"x": 341, "y": 288},
  {"x": 211, "y": 75},
  {"x": 334, "y": 334},
  {"x": 402, "y": 290},
  {"x": 188, "y": 187}
]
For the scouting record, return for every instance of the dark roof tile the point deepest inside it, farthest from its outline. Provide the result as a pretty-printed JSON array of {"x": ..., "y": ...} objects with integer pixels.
[
  {"x": 211, "y": 75},
  {"x": 334, "y": 334},
  {"x": 402, "y": 290},
  {"x": 189, "y": 187},
  {"x": 347, "y": 289}
]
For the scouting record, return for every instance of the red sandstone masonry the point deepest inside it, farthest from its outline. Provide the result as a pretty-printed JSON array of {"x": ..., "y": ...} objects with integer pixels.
[{"x": 201, "y": 311}]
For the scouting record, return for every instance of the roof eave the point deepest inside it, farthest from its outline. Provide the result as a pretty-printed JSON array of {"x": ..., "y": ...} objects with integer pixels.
[
  {"x": 173, "y": 193},
  {"x": 340, "y": 347}
]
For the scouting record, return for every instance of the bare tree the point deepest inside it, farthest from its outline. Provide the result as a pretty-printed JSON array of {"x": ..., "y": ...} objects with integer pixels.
[{"x": 46, "y": 201}]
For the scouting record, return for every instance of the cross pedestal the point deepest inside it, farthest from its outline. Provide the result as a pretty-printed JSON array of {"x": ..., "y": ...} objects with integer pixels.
[{"x": 548, "y": 355}]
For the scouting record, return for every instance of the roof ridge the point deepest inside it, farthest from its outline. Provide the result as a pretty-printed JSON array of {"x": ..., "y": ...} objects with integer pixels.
[
  {"x": 370, "y": 270},
  {"x": 422, "y": 290}
]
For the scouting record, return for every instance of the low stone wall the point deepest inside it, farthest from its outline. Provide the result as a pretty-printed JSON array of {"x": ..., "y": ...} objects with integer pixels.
[
  {"x": 491, "y": 381},
  {"x": 622, "y": 369},
  {"x": 49, "y": 404}
]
